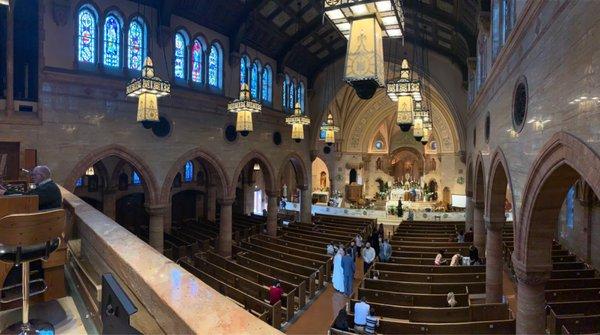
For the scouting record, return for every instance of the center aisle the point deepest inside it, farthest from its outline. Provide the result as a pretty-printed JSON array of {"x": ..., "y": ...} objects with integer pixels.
[{"x": 320, "y": 315}]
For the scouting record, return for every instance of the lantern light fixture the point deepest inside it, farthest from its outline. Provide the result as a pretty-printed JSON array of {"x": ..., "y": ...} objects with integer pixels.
[
  {"x": 297, "y": 121},
  {"x": 330, "y": 129},
  {"x": 90, "y": 171},
  {"x": 244, "y": 107},
  {"x": 148, "y": 88}
]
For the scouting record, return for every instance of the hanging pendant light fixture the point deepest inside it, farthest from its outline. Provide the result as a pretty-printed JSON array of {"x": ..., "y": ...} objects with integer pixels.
[
  {"x": 90, "y": 171},
  {"x": 427, "y": 125},
  {"x": 244, "y": 107},
  {"x": 148, "y": 89},
  {"x": 297, "y": 121},
  {"x": 405, "y": 91},
  {"x": 330, "y": 129},
  {"x": 364, "y": 23},
  {"x": 418, "y": 122}
]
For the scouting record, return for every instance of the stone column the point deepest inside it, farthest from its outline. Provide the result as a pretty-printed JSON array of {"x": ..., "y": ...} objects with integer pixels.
[
  {"x": 199, "y": 205},
  {"x": 248, "y": 199},
  {"x": 225, "y": 227},
  {"x": 211, "y": 211},
  {"x": 531, "y": 300},
  {"x": 479, "y": 228},
  {"x": 272, "y": 214},
  {"x": 10, "y": 64},
  {"x": 493, "y": 260},
  {"x": 469, "y": 214},
  {"x": 305, "y": 204},
  {"x": 157, "y": 218},
  {"x": 109, "y": 203}
]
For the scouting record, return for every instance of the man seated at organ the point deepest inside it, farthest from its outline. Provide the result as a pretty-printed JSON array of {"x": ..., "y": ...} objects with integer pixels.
[{"x": 45, "y": 188}]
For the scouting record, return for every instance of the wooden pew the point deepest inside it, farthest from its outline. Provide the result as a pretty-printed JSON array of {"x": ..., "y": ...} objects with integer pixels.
[
  {"x": 572, "y": 312},
  {"x": 411, "y": 299},
  {"x": 428, "y": 268},
  {"x": 573, "y": 294},
  {"x": 413, "y": 287},
  {"x": 432, "y": 278},
  {"x": 296, "y": 245}
]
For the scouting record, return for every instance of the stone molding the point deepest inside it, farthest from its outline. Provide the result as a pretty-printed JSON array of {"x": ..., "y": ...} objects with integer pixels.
[
  {"x": 226, "y": 201},
  {"x": 157, "y": 209},
  {"x": 495, "y": 224},
  {"x": 531, "y": 275}
]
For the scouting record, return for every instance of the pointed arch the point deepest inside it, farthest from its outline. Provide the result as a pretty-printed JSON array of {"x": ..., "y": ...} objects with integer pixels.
[
  {"x": 299, "y": 167},
  {"x": 112, "y": 36},
  {"x": 498, "y": 181},
  {"x": 150, "y": 183},
  {"x": 479, "y": 181},
  {"x": 87, "y": 34},
  {"x": 255, "y": 81},
  {"x": 267, "y": 85},
  {"x": 180, "y": 51},
  {"x": 215, "y": 66},
  {"x": 137, "y": 37},
  {"x": 197, "y": 61},
  {"x": 245, "y": 70},
  {"x": 265, "y": 165}
]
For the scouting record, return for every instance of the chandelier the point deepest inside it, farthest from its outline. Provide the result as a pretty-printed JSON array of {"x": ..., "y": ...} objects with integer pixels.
[
  {"x": 90, "y": 171},
  {"x": 297, "y": 121},
  {"x": 364, "y": 23},
  {"x": 406, "y": 92},
  {"x": 427, "y": 125},
  {"x": 148, "y": 89},
  {"x": 330, "y": 129},
  {"x": 244, "y": 107}
]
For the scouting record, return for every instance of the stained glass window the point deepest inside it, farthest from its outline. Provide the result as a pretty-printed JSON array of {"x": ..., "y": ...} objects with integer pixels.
[
  {"x": 136, "y": 45},
  {"x": 87, "y": 36},
  {"x": 135, "y": 178},
  {"x": 300, "y": 95},
  {"x": 570, "y": 207},
  {"x": 180, "y": 56},
  {"x": 112, "y": 41},
  {"x": 197, "y": 60},
  {"x": 244, "y": 66},
  {"x": 79, "y": 182},
  {"x": 291, "y": 93},
  {"x": 284, "y": 93},
  {"x": 255, "y": 80},
  {"x": 215, "y": 59},
  {"x": 379, "y": 144},
  {"x": 189, "y": 171},
  {"x": 267, "y": 88}
]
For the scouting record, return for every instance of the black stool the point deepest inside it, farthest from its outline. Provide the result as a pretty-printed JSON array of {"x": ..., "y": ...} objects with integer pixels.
[{"x": 25, "y": 238}]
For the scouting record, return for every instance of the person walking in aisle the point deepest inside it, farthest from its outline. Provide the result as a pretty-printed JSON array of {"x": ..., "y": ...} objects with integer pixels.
[
  {"x": 349, "y": 267},
  {"x": 368, "y": 256},
  {"x": 338, "y": 272},
  {"x": 385, "y": 251}
]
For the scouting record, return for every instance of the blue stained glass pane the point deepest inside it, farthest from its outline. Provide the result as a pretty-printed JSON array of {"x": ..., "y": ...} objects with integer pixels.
[
  {"x": 284, "y": 94},
  {"x": 179, "y": 56},
  {"x": 322, "y": 135},
  {"x": 266, "y": 84},
  {"x": 135, "y": 178},
  {"x": 300, "y": 95},
  {"x": 87, "y": 37},
  {"x": 135, "y": 46},
  {"x": 112, "y": 40},
  {"x": 291, "y": 92},
  {"x": 214, "y": 66},
  {"x": 197, "y": 61},
  {"x": 570, "y": 207},
  {"x": 254, "y": 81},
  {"x": 79, "y": 182},
  {"x": 189, "y": 171},
  {"x": 244, "y": 70}
]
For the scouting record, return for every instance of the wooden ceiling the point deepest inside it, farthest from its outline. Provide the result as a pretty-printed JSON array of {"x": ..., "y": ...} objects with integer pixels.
[{"x": 296, "y": 34}]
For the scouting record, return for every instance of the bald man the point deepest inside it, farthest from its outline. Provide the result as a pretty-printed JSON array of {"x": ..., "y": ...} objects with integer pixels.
[{"x": 46, "y": 189}]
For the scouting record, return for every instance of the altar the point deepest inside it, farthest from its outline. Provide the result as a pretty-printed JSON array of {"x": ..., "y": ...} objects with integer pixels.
[{"x": 413, "y": 194}]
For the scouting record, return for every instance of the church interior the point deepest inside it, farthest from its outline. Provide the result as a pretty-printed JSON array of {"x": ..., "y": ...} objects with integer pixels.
[{"x": 299, "y": 166}]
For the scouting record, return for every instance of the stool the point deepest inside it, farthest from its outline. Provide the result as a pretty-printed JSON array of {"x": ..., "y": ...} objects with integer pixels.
[{"x": 25, "y": 238}]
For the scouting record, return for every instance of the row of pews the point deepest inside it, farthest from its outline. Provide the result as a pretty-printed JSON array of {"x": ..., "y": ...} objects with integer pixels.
[
  {"x": 572, "y": 292},
  {"x": 297, "y": 257},
  {"x": 410, "y": 293}
]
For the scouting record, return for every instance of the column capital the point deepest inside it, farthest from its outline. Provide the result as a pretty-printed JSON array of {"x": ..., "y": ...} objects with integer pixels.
[
  {"x": 494, "y": 223},
  {"x": 157, "y": 209},
  {"x": 532, "y": 275},
  {"x": 226, "y": 201}
]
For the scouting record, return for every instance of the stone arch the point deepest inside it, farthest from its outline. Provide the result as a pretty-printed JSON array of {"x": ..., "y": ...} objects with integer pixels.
[
  {"x": 498, "y": 180},
  {"x": 265, "y": 165},
  {"x": 479, "y": 181},
  {"x": 562, "y": 161},
  {"x": 469, "y": 181},
  {"x": 299, "y": 167},
  {"x": 150, "y": 183},
  {"x": 216, "y": 171}
]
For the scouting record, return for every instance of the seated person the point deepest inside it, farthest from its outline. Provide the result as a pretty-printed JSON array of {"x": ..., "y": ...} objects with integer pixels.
[
  {"x": 460, "y": 237},
  {"x": 439, "y": 258},
  {"x": 331, "y": 249},
  {"x": 372, "y": 322},
  {"x": 361, "y": 310},
  {"x": 474, "y": 255},
  {"x": 469, "y": 235},
  {"x": 341, "y": 320},
  {"x": 451, "y": 299},
  {"x": 375, "y": 274},
  {"x": 275, "y": 292},
  {"x": 46, "y": 189},
  {"x": 456, "y": 259}
]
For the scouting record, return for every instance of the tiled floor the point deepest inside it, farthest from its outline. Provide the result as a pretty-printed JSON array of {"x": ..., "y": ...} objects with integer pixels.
[{"x": 62, "y": 313}]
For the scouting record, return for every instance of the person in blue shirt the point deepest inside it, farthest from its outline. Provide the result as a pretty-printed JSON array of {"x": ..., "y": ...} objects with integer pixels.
[
  {"x": 361, "y": 311},
  {"x": 385, "y": 251},
  {"x": 349, "y": 267}
]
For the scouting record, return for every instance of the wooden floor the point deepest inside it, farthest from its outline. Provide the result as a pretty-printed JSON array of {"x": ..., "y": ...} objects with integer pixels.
[{"x": 319, "y": 316}]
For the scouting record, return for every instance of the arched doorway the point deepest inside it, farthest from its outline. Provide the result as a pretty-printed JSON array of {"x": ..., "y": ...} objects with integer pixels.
[
  {"x": 562, "y": 163},
  {"x": 294, "y": 171},
  {"x": 321, "y": 183}
]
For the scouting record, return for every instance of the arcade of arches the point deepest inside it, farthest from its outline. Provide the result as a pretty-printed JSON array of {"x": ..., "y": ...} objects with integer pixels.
[{"x": 185, "y": 211}]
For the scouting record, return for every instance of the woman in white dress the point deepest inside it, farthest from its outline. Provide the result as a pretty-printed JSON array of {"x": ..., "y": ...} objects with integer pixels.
[{"x": 338, "y": 271}]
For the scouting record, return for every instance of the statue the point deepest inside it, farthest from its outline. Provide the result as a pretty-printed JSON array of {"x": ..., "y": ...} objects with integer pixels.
[
  {"x": 284, "y": 193},
  {"x": 323, "y": 180},
  {"x": 379, "y": 163}
]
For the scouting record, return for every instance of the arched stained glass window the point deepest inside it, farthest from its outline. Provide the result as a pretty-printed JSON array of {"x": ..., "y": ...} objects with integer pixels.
[
  {"x": 112, "y": 41},
  {"x": 197, "y": 60},
  {"x": 135, "y": 178},
  {"x": 284, "y": 92},
  {"x": 291, "y": 93},
  {"x": 570, "y": 207},
  {"x": 244, "y": 70},
  {"x": 189, "y": 171},
  {"x": 215, "y": 66},
  {"x": 86, "y": 39},
  {"x": 79, "y": 182},
  {"x": 300, "y": 95},
  {"x": 180, "y": 51},
  {"x": 255, "y": 80},
  {"x": 267, "y": 85},
  {"x": 136, "y": 44}
]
